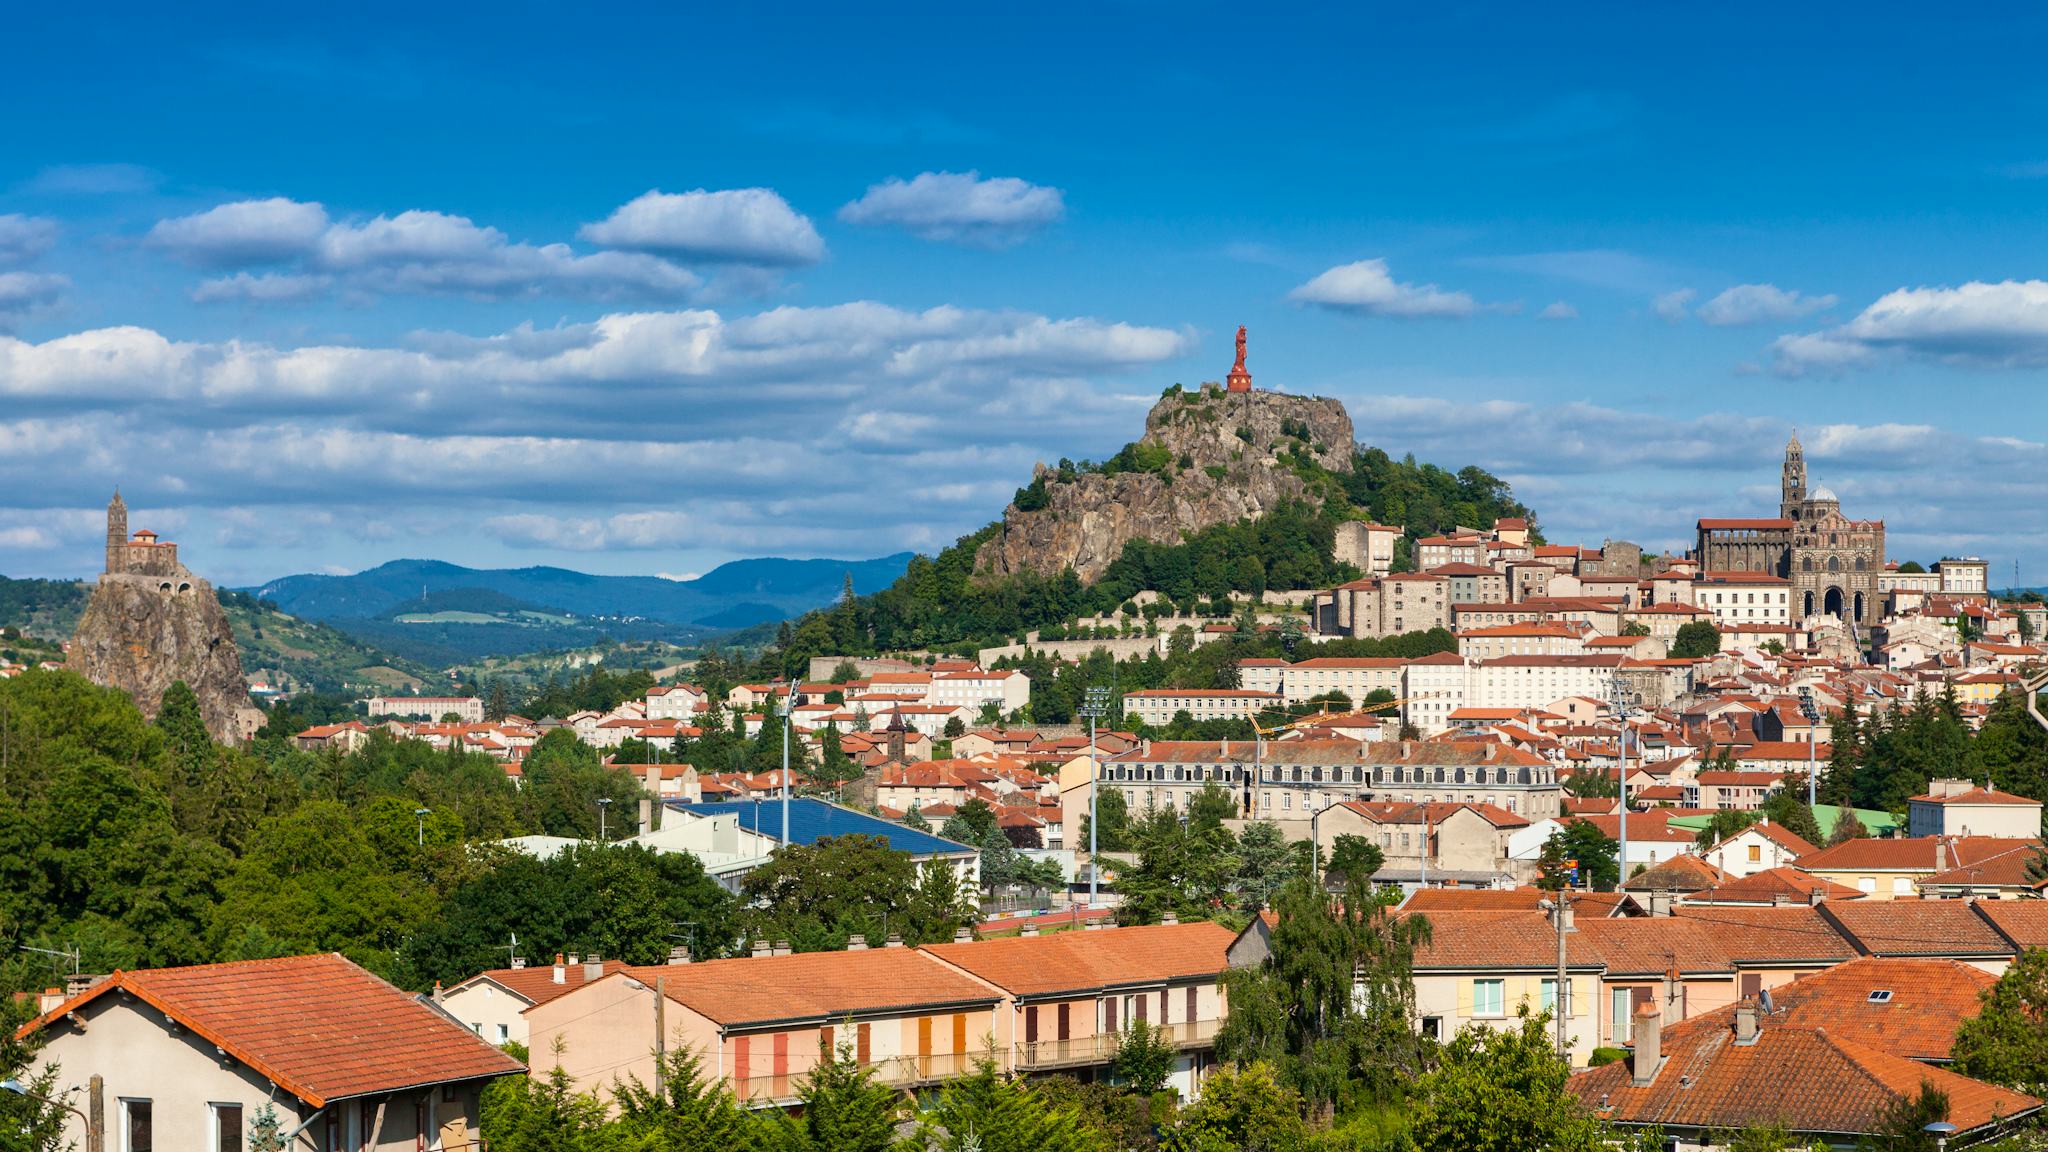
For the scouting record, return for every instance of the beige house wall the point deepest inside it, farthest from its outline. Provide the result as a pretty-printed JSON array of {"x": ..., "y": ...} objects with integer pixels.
[
  {"x": 182, "y": 1076},
  {"x": 1449, "y": 998},
  {"x": 489, "y": 1011}
]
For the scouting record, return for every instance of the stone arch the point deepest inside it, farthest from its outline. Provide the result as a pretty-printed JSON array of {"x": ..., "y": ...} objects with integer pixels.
[
  {"x": 1806, "y": 565},
  {"x": 1861, "y": 565},
  {"x": 1833, "y": 603},
  {"x": 1809, "y": 596},
  {"x": 1859, "y": 606},
  {"x": 164, "y": 587},
  {"x": 184, "y": 588},
  {"x": 1834, "y": 564}
]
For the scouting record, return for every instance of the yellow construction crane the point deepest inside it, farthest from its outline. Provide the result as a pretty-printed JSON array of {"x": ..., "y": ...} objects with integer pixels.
[{"x": 1316, "y": 718}]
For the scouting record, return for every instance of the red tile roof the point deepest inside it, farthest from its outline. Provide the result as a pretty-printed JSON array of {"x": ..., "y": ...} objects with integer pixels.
[
  {"x": 808, "y": 986},
  {"x": 1775, "y": 886},
  {"x": 1917, "y": 928},
  {"x": 1087, "y": 961},
  {"x": 1502, "y": 939},
  {"x": 1650, "y": 946},
  {"x": 1473, "y": 899},
  {"x": 1977, "y": 796},
  {"x": 1684, "y": 872},
  {"x": 536, "y": 985},
  {"x": 319, "y": 1027},
  {"x": 1794, "y": 935},
  {"x": 1915, "y": 854},
  {"x": 1927, "y": 1001},
  {"x": 1805, "y": 1079}
]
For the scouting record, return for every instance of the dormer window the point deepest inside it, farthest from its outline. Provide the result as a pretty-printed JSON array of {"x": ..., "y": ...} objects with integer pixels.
[{"x": 1881, "y": 996}]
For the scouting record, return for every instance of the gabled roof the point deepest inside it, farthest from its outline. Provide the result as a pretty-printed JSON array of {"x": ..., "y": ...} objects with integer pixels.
[
  {"x": 1805, "y": 1079},
  {"x": 1087, "y": 961},
  {"x": 1978, "y": 796},
  {"x": 319, "y": 1027},
  {"x": 811, "y": 986},
  {"x": 1761, "y": 937},
  {"x": 536, "y": 985},
  {"x": 1914, "y": 854},
  {"x": 1684, "y": 872},
  {"x": 1924, "y": 1002},
  {"x": 1949, "y": 928},
  {"x": 1500, "y": 940},
  {"x": 1775, "y": 886},
  {"x": 1650, "y": 946}
]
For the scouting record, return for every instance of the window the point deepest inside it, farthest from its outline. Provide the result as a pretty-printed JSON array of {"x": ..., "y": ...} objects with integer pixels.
[
  {"x": 1621, "y": 1022},
  {"x": 1489, "y": 997},
  {"x": 1756, "y": 853},
  {"x": 1902, "y": 885},
  {"x": 1547, "y": 998},
  {"x": 1866, "y": 884},
  {"x": 1433, "y": 1027},
  {"x": 137, "y": 1130},
  {"x": 1881, "y": 996},
  {"x": 227, "y": 1127}
]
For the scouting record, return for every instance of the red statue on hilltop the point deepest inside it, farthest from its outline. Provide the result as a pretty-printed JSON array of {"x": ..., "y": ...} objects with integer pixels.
[{"x": 1239, "y": 380}]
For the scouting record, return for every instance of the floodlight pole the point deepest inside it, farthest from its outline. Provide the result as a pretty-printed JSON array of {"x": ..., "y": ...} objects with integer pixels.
[
  {"x": 788, "y": 705},
  {"x": 1095, "y": 701}
]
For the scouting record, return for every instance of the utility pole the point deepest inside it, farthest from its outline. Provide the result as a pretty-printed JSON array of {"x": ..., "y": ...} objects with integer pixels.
[
  {"x": 604, "y": 805},
  {"x": 660, "y": 1037},
  {"x": 1623, "y": 706},
  {"x": 1561, "y": 917},
  {"x": 1095, "y": 701},
  {"x": 788, "y": 705}
]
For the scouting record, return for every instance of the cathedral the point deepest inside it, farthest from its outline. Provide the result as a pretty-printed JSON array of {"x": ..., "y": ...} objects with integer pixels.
[{"x": 1831, "y": 561}]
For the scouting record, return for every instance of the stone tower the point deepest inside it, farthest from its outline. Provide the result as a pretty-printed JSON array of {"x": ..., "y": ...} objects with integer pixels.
[
  {"x": 117, "y": 532},
  {"x": 1792, "y": 484}
]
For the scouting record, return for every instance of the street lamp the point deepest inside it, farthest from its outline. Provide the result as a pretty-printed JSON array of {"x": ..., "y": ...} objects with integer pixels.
[
  {"x": 1095, "y": 704},
  {"x": 93, "y": 1140},
  {"x": 420, "y": 814},
  {"x": 604, "y": 805},
  {"x": 1619, "y": 700},
  {"x": 1941, "y": 1130},
  {"x": 788, "y": 706},
  {"x": 1811, "y": 710}
]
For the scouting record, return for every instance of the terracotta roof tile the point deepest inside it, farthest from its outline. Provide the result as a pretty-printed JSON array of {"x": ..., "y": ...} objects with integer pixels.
[
  {"x": 814, "y": 985},
  {"x": 1649, "y": 946},
  {"x": 2024, "y": 922},
  {"x": 1775, "y": 886},
  {"x": 1917, "y": 928},
  {"x": 1087, "y": 961},
  {"x": 536, "y": 984},
  {"x": 320, "y": 1027},
  {"x": 1761, "y": 937},
  {"x": 1505, "y": 939}
]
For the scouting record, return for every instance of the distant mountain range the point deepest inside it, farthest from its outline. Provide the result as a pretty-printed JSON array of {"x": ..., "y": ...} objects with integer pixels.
[{"x": 730, "y": 596}]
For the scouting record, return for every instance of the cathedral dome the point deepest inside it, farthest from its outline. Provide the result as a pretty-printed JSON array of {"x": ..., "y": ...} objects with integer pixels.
[{"x": 1827, "y": 494}]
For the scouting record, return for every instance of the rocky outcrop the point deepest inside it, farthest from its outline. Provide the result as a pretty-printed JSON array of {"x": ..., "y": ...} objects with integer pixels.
[
  {"x": 142, "y": 633},
  {"x": 1208, "y": 457}
]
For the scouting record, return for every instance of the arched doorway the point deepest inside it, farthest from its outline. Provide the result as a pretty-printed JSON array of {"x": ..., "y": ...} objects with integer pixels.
[
  {"x": 1859, "y": 607},
  {"x": 1809, "y": 595},
  {"x": 1832, "y": 603}
]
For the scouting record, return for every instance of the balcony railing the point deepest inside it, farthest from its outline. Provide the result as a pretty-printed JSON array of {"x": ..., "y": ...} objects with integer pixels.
[
  {"x": 903, "y": 1071},
  {"x": 1098, "y": 1049}
]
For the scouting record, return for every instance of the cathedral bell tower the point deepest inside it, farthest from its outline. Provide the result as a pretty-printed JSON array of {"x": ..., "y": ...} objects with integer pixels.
[{"x": 1793, "y": 481}]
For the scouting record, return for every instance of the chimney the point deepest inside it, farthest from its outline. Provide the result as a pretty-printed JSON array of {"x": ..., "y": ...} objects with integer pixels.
[
  {"x": 1030, "y": 928},
  {"x": 856, "y": 943},
  {"x": 963, "y": 935},
  {"x": 760, "y": 949},
  {"x": 1169, "y": 918},
  {"x": 593, "y": 968},
  {"x": 574, "y": 960},
  {"x": 680, "y": 954},
  {"x": 560, "y": 972},
  {"x": 1649, "y": 1045},
  {"x": 781, "y": 948},
  {"x": 438, "y": 997},
  {"x": 518, "y": 962},
  {"x": 1814, "y": 897},
  {"x": 895, "y": 940},
  {"x": 1745, "y": 1022},
  {"x": 646, "y": 813}
]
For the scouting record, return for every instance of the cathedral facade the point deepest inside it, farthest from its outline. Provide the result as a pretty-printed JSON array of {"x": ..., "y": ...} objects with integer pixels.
[{"x": 1831, "y": 561}]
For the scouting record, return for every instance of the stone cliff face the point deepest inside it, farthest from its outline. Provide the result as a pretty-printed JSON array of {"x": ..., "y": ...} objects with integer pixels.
[
  {"x": 141, "y": 633},
  {"x": 1221, "y": 465}
]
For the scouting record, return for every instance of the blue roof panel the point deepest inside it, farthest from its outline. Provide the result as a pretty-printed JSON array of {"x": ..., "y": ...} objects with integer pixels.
[{"x": 812, "y": 819}]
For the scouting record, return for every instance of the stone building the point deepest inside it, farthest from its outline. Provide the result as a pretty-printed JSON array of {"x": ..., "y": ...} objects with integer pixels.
[{"x": 1832, "y": 562}]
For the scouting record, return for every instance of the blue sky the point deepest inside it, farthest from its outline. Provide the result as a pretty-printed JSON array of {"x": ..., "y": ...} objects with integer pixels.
[{"x": 641, "y": 290}]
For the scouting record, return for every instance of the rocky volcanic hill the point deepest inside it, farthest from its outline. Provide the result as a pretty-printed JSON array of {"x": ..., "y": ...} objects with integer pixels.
[
  {"x": 140, "y": 637},
  {"x": 1207, "y": 457}
]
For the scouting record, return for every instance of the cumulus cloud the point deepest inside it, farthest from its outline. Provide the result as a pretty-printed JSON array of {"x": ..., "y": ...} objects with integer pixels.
[
  {"x": 637, "y": 431},
  {"x": 739, "y": 226},
  {"x": 1558, "y": 310},
  {"x": 273, "y": 231},
  {"x": 1978, "y": 324},
  {"x": 412, "y": 252},
  {"x": 1756, "y": 303},
  {"x": 23, "y": 238},
  {"x": 26, "y": 294},
  {"x": 959, "y": 206},
  {"x": 1367, "y": 288},
  {"x": 1673, "y": 306}
]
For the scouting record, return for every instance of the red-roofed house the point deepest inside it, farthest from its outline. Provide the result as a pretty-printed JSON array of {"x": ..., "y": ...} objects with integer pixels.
[
  {"x": 493, "y": 1003},
  {"x": 1961, "y": 808},
  {"x": 1758, "y": 848},
  {"x": 186, "y": 1057}
]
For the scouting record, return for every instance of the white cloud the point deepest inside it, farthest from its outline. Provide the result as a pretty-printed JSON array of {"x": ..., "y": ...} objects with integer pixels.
[
  {"x": 1755, "y": 303},
  {"x": 739, "y": 226},
  {"x": 1673, "y": 306},
  {"x": 23, "y": 238},
  {"x": 1558, "y": 310},
  {"x": 1979, "y": 324},
  {"x": 1367, "y": 288},
  {"x": 25, "y": 294},
  {"x": 412, "y": 252},
  {"x": 959, "y": 206},
  {"x": 273, "y": 231}
]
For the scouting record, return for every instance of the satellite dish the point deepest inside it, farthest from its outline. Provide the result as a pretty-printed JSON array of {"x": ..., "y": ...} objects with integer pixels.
[{"x": 1765, "y": 997}]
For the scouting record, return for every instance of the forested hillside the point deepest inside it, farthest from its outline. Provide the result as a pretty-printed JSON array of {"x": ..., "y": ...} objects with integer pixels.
[{"x": 941, "y": 603}]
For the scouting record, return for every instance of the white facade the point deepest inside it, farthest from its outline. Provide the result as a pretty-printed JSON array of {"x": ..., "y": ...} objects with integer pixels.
[
  {"x": 1747, "y": 601},
  {"x": 467, "y": 709},
  {"x": 1160, "y": 705}
]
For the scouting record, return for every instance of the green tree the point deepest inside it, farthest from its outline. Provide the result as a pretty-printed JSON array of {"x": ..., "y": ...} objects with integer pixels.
[
  {"x": 1501, "y": 1090},
  {"x": 1242, "y": 1107},
  {"x": 1847, "y": 827},
  {"x": 1594, "y": 852},
  {"x": 1354, "y": 859},
  {"x": 1144, "y": 1058},
  {"x": 984, "y": 1111},
  {"x": 915, "y": 819},
  {"x": 1210, "y": 807},
  {"x": 1694, "y": 640},
  {"x": 1785, "y": 808},
  {"x": 2007, "y": 1041},
  {"x": 1903, "y": 1122},
  {"x": 1181, "y": 869},
  {"x": 843, "y": 1109},
  {"x": 1265, "y": 860},
  {"x": 1114, "y": 812},
  {"x": 1721, "y": 825},
  {"x": 689, "y": 1111},
  {"x": 816, "y": 895},
  {"x": 539, "y": 1113},
  {"x": 266, "y": 1134}
]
